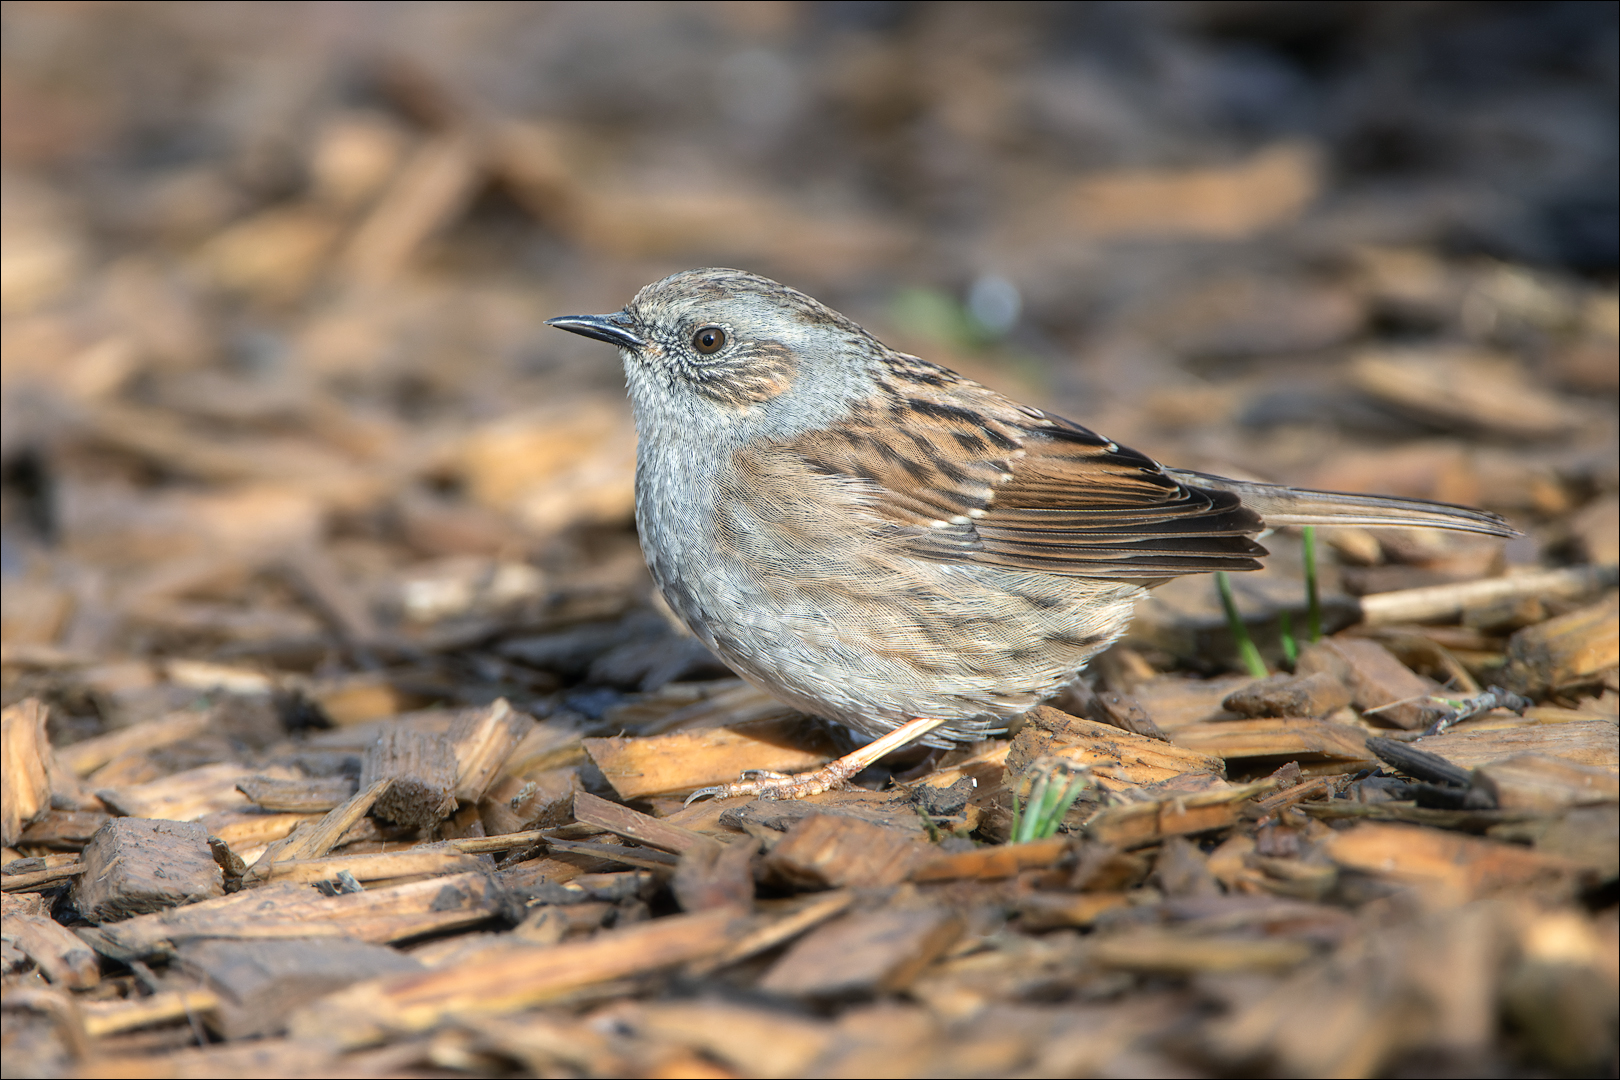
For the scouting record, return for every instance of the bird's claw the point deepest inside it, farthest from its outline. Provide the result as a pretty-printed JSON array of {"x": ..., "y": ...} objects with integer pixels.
[{"x": 763, "y": 783}]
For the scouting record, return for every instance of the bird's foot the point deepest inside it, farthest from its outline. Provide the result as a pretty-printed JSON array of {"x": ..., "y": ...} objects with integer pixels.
[
  {"x": 764, "y": 784},
  {"x": 772, "y": 785}
]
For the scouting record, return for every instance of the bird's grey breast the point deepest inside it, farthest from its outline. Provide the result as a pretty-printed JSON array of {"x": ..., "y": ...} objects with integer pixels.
[
  {"x": 725, "y": 514},
  {"x": 675, "y": 489}
]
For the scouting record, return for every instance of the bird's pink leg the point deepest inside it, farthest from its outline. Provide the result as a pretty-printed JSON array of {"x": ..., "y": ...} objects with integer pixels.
[{"x": 833, "y": 774}]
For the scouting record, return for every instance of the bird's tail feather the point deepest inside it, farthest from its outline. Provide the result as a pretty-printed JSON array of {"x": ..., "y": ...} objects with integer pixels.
[{"x": 1279, "y": 506}]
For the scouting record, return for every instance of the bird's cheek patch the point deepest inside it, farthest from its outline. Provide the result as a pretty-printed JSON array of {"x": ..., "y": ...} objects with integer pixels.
[{"x": 767, "y": 370}]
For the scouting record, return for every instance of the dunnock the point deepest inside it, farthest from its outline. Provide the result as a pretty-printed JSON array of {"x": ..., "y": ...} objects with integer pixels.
[{"x": 879, "y": 541}]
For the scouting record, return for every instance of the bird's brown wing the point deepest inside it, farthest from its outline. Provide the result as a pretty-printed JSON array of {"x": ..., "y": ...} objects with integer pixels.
[
  {"x": 1079, "y": 504},
  {"x": 961, "y": 474}
]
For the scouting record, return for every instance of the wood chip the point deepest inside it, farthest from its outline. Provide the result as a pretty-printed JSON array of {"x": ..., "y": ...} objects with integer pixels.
[
  {"x": 260, "y": 982},
  {"x": 185, "y": 796},
  {"x": 894, "y": 810},
  {"x": 1351, "y": 1015},
  {"x": 1376, "y": 680},
  {"x": 646, "y": 858},
  {"x": 730, "y": 702},
  {"x": 622, "y": 821},
  {"x": 1112, "y": 708},
  {"x": 70, "y": 829},
  {"x": 862, "y": 953},
  {"x": 360, "y": 701},
  {"x": 810, "y": 914},
  {"x": 541, "y": 800},
  {"x": 421, "y": 769},
  {"x": 534, "y": 877},
  {"x": 313, "y": 839},
  {"x": 1176, "y": 701},
  {"x": 377, "y": 866},
  {"x": 1103, "y": 867},
  {"x": 307, "y": 796},
  {"x": 476, "y": 845},
  {"x": 25, "y": 788},
  {"x": 831, "y": 850},
  {"x": 85, "y": 757},
  {"x": 104, "y": 1018},
  {"x": 1470, "y": 821},
  {"x": 712, "y": 875},
  {"x": 1419, "y": 764},
  {"x": 482, "y": 742},
  {"x": 753, "y": 1041},
  {"x": 542, "y": 1040},
  {"x": 1588, "y": 835},
  {"x": 244, "y": 830},
  {"x": 1160, "y": 953},
  {"x": 1542, "y": 783},
  {"x": 1583, "y": 742},
  {"x": 1049, "y": 911},
  {"x": 1316, "y": 788},
  {"x": 312, "y": 571},
  {"x": 137, "y": 865},
  {"x": 1568, "y": 651},
  {"x": 1315, "y": 695},
  {"x": 23, "y": 875},
  {"x": 1281, "y": 737},
  {"x": 1117, "y": 759},
  {"x": 1461, "y": 867},
  {"x": 998, "y": 861},
  {"x": 283, "y": 1059},
  {"x": 1182, "y": 870},
  {"x": 551, "y": 744},
  {"x": 516, "y": 978},
  {"x": 1145, "y": 823},
  {"x": 61, "y": 956},
  {"x": 392, "y": 913},
  {"x": 1597, "y": 528},
  {"x": 688, "y": 760}
]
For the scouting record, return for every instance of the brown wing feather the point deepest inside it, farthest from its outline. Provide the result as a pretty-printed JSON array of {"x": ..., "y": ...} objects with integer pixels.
[
  {"x": 1079, "y": 504},
  {"x": 965, "y": 475}
]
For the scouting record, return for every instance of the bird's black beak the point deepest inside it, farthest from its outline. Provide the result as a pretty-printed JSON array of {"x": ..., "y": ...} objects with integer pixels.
[{"x": 613, "y": 329}]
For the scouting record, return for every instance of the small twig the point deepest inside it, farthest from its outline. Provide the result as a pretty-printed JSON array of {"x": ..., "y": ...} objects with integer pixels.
[
  {"x": 1433, "y": 603},
  {"x": 1460, "y": 709},
  {"x": 1396, "y": 704}
]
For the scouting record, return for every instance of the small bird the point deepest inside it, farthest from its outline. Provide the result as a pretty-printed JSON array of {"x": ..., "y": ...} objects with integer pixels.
[{"x": 876, "y": 540}]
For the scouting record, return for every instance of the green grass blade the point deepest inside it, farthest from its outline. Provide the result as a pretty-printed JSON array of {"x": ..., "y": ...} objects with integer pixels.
[
  {"x": 1313, "y": 601},
  {"x": 1240, "y": 633},
  {"x": 1041, "y": 813},
  {"x": 1033, "y": 807}
]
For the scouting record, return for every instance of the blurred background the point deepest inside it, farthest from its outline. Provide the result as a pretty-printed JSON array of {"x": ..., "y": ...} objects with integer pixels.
[{"x": 277, "y": 398}]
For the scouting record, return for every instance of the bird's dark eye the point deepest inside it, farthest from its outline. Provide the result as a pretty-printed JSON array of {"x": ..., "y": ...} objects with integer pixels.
[{"x": 709, "y": 339}]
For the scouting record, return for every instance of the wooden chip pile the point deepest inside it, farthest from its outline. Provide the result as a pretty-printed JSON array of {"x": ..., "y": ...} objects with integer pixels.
[
  {"x": 344, "y": 735},
  {"x": 1284, "y": 876}
]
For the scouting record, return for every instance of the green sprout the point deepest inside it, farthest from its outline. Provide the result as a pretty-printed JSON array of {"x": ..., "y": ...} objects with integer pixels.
[
  {"x": 1050, "y": 798},
  {"x": 1240, "y": 633},
  {"x": 1290, "y": 644}
]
